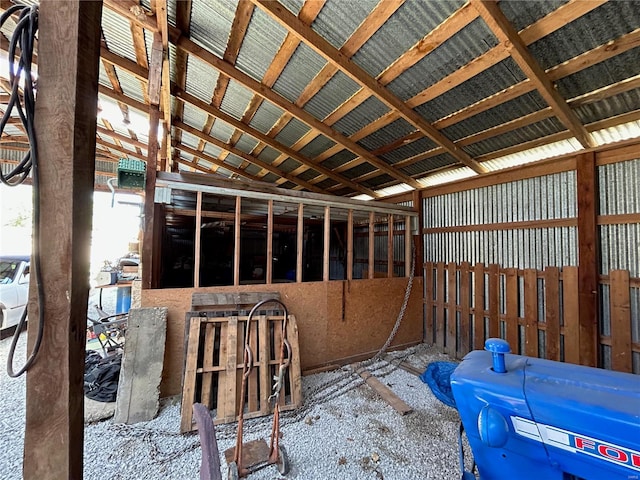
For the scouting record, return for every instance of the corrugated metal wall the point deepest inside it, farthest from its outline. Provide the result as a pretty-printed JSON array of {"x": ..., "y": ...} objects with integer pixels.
[{"x": 542, "y": 198}]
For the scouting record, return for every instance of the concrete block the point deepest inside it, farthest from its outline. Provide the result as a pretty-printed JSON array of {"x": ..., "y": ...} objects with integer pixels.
[{"x": 141, "y": 372}]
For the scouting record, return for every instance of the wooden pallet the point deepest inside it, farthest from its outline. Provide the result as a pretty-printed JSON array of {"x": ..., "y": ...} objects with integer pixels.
[{"x": 214, "y": 361}]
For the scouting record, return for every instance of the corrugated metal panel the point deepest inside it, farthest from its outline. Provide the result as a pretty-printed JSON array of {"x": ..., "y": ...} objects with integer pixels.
[
  {"x": 607, "y": 22},
  {"x": 260, "y": 45},
  {"x": 268, "y": 155},
  {"x": 387, "y": 135},
  {"x": 338, "y": 20},
  {"x": 293, "y": 5},
  {"x": 500, "y": 114},
  {"x": 103, "y": 79},
  {"x": 469, "y": 43},
  {"x": 409, "y": 150},
  {"x": 246, "y": 143},
  {"x": 253, "y": 169},
  {"x": 333, "y": 94},
  {"x": 326, "y": 183},
  {"x": 288, "y": 165},
  {"x": 377, "y": 181},
  {"x": 308, "y": 175},
  {"x": 222, "y": 131},
  {"x": 201, "y": 79},
  {"x": 130, "y": 85},
  {"x": 302, "y": 67},
  {"x": 117, "y": 34},
  {"x": 190, "y": 140},
  {"x": 316, "y": 146},
  {"x": 212, "y": 150},
  {"x": 236, "y": 99},
  {"x": 106, "y": 166},
  {"x": 265, "y": 117},
  {"x": 488, "y": 82},
  {"x": 211, "y": 23},
  {"x": 522, "y": 14},
  {"x": 292, "y": 132},
  {"x": 338, "y": 159},
  {"x": 358, "y": 170},
  {"x": 619, "y": 188},
  {"x": 541, "y": 129},
  {"x": 609, "y": 107},
  {"x": 365, "y": 113},
  {"x": 430, "y": 164},
  {"x": 619, "y": 248},
  {"x": 599, "y": 75},
  {"x": 194, "y": 116},
  {"x": 233, "y": 160},
  {"x": 410, "y": 23}
]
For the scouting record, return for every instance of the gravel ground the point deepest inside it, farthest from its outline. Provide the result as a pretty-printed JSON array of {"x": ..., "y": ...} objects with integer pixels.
[{"x": 341, "y": 433}]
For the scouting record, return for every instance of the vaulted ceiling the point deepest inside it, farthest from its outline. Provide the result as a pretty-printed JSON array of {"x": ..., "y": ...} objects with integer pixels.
[{"x": 353, "y": 97}]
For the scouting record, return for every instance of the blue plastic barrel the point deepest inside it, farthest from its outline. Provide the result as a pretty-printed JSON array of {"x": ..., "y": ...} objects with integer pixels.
[{"x": 123, "y": 299}]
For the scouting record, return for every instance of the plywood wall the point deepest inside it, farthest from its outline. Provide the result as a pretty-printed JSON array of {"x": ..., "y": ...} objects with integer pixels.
[{"x": 338, "y": 321}]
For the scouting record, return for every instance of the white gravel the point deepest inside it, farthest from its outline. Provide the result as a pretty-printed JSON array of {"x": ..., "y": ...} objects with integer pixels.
[{"x": 340, "y": 438}]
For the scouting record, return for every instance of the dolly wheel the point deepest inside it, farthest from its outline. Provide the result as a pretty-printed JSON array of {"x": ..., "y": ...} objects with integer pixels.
[
  {"x": 283, "y": 461},
  {"x": 232, "y": 471}
]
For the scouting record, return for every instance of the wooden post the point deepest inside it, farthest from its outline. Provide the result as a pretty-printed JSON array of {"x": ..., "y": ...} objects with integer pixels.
[
  {"x": 236, "y": 242},
  {"x": 552, "y": 312},
  {"x": 270, "y": 242},
  {"x": 494, "y": 301},
  {"x": 326, "y": 243},
  {"x": 452, "y": 321},
  {"x": 531, "y": 348},
  {"x": 65, "y": 125},
  {"x": 465, "y": 325},
  {"x": 429, "y": 330},
  {"x": 419, "y": 244},
  {"x": 621, "y": 353},
  {"x": 511, "y": 293},
  {"x": 408, "y": 254},
  {"x": 588, "y": 257},
  {"x": 300, "y": 242},
  {"x": 198, "y": 238},
  {"x": 478, "y": 307},
  {"x": 350, "y": 245},
  {"x": 390, "y": 246},
  {"x": 372, "y": 258}
]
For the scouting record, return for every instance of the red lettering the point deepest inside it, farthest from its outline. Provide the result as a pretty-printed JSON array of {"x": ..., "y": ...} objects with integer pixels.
[
  {"x": 635, "y": 460},
  {"x": 583, "y": 443},
  {"x": 613, "y": 453}
]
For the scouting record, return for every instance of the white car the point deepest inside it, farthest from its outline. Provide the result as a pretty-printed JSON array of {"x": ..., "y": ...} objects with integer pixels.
[{"x": 14, "y": 289}]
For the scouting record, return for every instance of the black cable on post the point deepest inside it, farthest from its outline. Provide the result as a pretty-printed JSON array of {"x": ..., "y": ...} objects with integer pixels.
[{"x": 21, "y": 47}]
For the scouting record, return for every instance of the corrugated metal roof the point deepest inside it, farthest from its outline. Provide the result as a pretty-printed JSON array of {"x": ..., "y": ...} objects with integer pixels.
[
  {"x": 211, "y": 23},
  {"x": 288, "y": 165},
  {"x": 376, "y": 182},
  {"x": 222, "y": 131},
  {"x": 212, "y": 150},
  {"x": 292, "y": 132},
  {"x": 194, "y": 116},
  {"x": 409, "y": 150},
  {"x": 190, "y": 140},
  {"x": 130, "y": 85},
  {"x": 338, "y": 20},
  {"x": 293, "y": 5},
  {"x": 358, "y": 170},
  {"x": 236, "y": 99},
  {"x": 268, "y": 155},
  {"x": 308, "y": 175},
  {"x": 253, "y": 169},
  {"x": 316, "y": 146},
  {"x": 546, "y": 127},
  {"x": 432, "y": 163},
  {"x": 265, "y": 117},
  {"x": 365, "y": 113},
  {"x": 388, "y": 134},
  {"x": 412, "y": 21},
  {"x": 233, "y": 160},
  {"x": 609, "y": 107},
  {"x": 260, "y": 45},
  {"x": 117, "y": 34},
  {"x": 333, "y": 94},
  {"x": 246, "y": 143},
  {"x": 326, "y": 183},
  {"x": 338, "y": 159},
  {"x": 516, "y": 108},
  {"x": 302, "y": 67},
  {"x": 522, "y": 14},
  {"x": 469, "y": 43},
  {"x": 492, "y": 80},
  {"x": 201, "y": 79}
]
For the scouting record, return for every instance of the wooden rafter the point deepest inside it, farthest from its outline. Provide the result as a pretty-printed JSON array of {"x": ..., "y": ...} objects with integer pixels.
[
  {"x": 498, "y": 23},
  {"x": 183, "y": 23}
]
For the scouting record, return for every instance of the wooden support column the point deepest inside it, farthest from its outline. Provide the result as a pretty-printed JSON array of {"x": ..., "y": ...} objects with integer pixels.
[
  {"x": 408, "y": 254},
  {"x": 198, "y": 240},
  {"x": 65, "y": 125},
  {"x": 300, "y": 242},
  {"x": 326, "y": 243},
  {"x": 371, "y": 244},
  {"x": 390, "y": 246},
  {"x": 419, "y": 243},
  {"x": 270, "y": 242},
  {"x": 236, "y": 242},
  {"x": 588, "y": 257},
  {"x": 350, "y": 245}
]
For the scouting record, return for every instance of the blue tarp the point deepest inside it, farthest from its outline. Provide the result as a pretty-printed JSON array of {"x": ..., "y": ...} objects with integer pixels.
[{"x": 438, "y": 377}]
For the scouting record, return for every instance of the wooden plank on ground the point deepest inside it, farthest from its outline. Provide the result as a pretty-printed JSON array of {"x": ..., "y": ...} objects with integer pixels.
[
  {"x": 189, "y": 384},
  {"x": 552, "y": 308},
  {"x": 621, "y": 354},
  {"x": 464, "y": 333},
  {"x": 440, "y": 298},
  {"x": 385, "y": 392},
  {"x": 452, "y": 292},
  {"x": 511, "y": 292},
  {"x": 231, "y": 370},
  {"x": 494, "y": 301},
  {"x": 294, "y": 367},
  {"x": 478, "y": 307},
  {"x": 570, "y": 309},
  {"x": 531, "y": 312}
]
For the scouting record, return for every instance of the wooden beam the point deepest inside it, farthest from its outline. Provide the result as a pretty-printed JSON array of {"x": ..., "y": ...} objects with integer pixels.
[
  {"x": 133, "y": 11},
  {"x": 65, "y": 123},
  {"x": 183, "y": 24},
  {"x": 408, "y": 257},
  {"x": 326, "y": 244},
  {"x": 198, "y": 238},
  {"x": 115, "y": 135},
  {"x": 236, "y": 242},
  {"x": 350, "y": 245},
  {"x": 334, "y": 56},
  {"x": 215, "y": 161},
  {"x": 390, "y": 246},
  {"x": 270, "y": 242},
  {"x": 149, "y": 279},
  {"x": 371, "y": 244},
  {"x": 588, "y": 258},
  {"x": 499, "y": 24},
  {"x": 299, "y": 242}
]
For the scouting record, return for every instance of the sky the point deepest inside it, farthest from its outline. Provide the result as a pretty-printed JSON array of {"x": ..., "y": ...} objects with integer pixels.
[{"x": 113, "y": 228}]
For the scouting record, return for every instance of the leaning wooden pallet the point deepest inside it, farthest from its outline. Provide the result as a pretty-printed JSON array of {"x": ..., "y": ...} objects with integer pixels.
[{"x": 214, "y": 362}]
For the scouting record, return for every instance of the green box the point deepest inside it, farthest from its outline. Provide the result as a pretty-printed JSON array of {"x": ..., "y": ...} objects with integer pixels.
[{"x": 131, "y": 173}]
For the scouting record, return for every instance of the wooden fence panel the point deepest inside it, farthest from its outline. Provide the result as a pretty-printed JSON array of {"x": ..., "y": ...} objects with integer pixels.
[
  {"x": 511, "y": 293},
  {"x": 440, "y": 299},
  {"x": 451, "y": 317},
  {"x": 478, "y": 317},
  {"x": 464, "y": 337},
  {"x": 428, "y": 282},
  {"x": 494, "y": 301},
  {"x": 531, "y": 312},
  {"x": 552, "y": 310},
  {"x": 570, "y": 309},
  {"x": 621, "y": 354}
]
